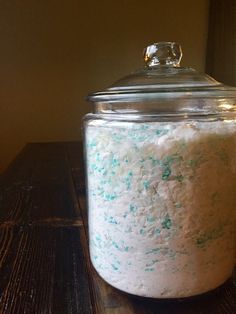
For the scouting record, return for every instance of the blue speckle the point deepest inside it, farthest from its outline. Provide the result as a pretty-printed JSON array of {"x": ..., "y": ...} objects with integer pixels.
[
  {"x": 110, "y": 197},
  {"x": 121, "y": 248},
  {"x": 132, "y": 208},
  {"x": 98, "y": 241},
  {"x": 149, "y": 269},
  {"x": 161, "y": 132},
  {"x": 93, "y": 166},
  {"x": 104, "y": 172},
  {"x": 166, "y": 223},
  {"x": 115, "y": 162},
  {"x": 146, "y": 184},
  {"x": 155, "y": 162},
  {"x": 128, "y": 180},
  {"x": 115, "y": 245},
  {"x": 142, "y": 231},
  {"x": 117, "y": 137},
  {"x": 98, "y": 157},
  {"x": 144, "y": 127},
  {"x": 166, "y": 166},
  {"x": 166, "y": 173},
  {"x": 156, "y": 250},
  {"x": 111, "y": 220},
  {"x": 151, "y": 218},
  {"x": 114, "y": 267},
  {"x": 92, "y": 143},
  {"x": 152, "y": 263}
]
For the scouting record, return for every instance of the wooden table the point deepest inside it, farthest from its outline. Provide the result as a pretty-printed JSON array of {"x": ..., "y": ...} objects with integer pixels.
[{"x": 44, "y": 261}]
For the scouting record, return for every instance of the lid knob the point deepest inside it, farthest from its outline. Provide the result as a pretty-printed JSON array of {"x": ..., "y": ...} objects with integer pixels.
[{"x": 163, "y": 53}]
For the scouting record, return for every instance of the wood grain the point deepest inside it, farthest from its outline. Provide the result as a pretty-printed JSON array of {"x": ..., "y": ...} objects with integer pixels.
[
  {"x": 38, "y": 186},
  {"x": 42, "y": 271},
  {"x": 42, "y": 266}
]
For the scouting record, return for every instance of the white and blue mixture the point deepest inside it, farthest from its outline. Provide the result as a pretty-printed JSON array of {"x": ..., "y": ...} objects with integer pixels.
[{"x": 162, "y": 204}]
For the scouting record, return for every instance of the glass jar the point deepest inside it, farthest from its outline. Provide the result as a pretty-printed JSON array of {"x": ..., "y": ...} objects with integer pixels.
[{"x": 160, "y": 152}]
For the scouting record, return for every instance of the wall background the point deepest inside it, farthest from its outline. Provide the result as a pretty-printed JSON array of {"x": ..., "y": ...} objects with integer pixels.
[{"x": 53, "y": 52}]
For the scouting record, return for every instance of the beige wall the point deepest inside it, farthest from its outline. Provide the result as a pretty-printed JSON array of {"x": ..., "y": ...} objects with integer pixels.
[{"x": 53, "y": 52}]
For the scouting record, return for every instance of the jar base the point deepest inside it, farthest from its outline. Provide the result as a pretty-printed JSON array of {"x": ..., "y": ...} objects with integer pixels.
[
  {"x": 200, "y": 295},
  {"x": 196, "y": 297}
]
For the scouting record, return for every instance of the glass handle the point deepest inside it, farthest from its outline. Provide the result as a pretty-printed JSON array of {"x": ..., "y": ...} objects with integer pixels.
[{"x": 163, "y": 53}]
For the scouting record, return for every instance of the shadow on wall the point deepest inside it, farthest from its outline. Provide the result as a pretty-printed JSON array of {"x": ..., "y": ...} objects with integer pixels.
[
  {"x": 54, "y": 52},
  {"x": 221, "y": 48}
]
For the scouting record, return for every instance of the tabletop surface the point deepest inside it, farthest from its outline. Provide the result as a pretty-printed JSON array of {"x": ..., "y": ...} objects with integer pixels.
[{"x": 44, "y": 259}]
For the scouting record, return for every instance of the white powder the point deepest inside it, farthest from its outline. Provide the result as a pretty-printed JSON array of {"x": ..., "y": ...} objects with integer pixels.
[{"x": 162, "y": 205}]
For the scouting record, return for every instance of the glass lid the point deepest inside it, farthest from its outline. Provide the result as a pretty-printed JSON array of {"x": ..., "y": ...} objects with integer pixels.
[{"x": 162, "y": 77}]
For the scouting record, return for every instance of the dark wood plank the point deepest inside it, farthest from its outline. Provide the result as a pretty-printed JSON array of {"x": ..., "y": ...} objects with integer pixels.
[
  {"x": 107, "y": 299},
  {"x": 42, "y": 270},
  {"x": 75, "y": 156},
  {"x": 42, "y": 266},
  {"x": 37, "y": 186}
]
